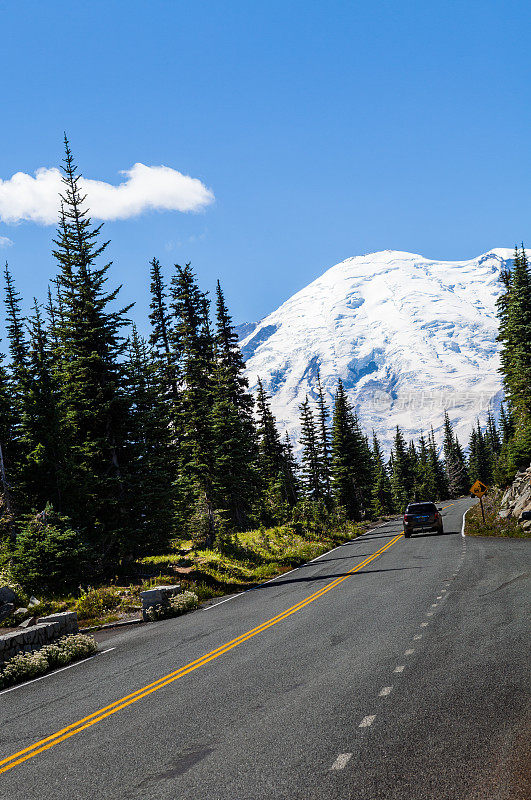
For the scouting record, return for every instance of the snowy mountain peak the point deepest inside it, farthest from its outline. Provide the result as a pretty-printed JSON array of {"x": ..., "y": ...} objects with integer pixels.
[{"x": 409, "y": 336}]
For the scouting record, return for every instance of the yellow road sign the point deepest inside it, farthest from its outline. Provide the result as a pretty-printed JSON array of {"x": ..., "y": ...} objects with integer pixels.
[{"x": 478, "y": 489}]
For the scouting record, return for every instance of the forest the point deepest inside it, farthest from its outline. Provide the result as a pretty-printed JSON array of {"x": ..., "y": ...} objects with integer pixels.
[{"x": 114, "y": 446}]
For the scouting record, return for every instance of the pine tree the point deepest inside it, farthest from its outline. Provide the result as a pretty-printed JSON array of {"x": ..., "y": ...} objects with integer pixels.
[
  {"x": 276, "y": 463},
  {"x": 382, "y": 497},
  {"x": 311, "y": 468},
  {"x": 92, "y": 402},
  {"x": 492, "y": 437},
  {"x": 402, "y": 478},
  {"x": 18, "y": 345},
  {"x": 440, "y": 489},
  {"x": 343, "y": 457},
  {"x": 363, "y": 467},
  {"x": 455, "y": 466},
  {"x": 235, "y": 477},
  {"x": 479, "y": 460},
  {"x": 425, "y": 478},
  {"x": 519, "y": 338},
  {"x": 151, "y": 453},
  {"x": 507, "y": 425},
  {"x": 193, "y": 356},
  {"x": 514, "y": 313},
  {"x": 161, "y": 332},
  {"x": 40, "y": 474},
  {"x": 290, "y": 468},
  {"x": 13, "y": 389},
  {"x": 323, "y": 438}
]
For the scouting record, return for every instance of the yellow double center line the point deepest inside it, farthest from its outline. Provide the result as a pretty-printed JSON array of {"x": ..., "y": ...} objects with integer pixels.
[{"x": 81, "y": 724}]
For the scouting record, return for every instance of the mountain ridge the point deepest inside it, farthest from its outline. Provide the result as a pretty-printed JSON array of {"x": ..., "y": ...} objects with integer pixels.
[{"x": 409, "y": 336}]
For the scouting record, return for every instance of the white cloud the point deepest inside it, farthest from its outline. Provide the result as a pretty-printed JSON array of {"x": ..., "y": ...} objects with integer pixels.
[
  {"x": 5, "y": 241},
  {"x": 24, "y": 197}
]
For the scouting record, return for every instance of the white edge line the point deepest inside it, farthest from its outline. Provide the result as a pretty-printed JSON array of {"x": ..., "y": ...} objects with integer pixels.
[
  {"x": 464, "y": 515},
  {"x": 55, "y": 671}
]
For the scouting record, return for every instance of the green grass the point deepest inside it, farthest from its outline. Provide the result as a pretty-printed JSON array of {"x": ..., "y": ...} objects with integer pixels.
[
  {"x": 493, "y": 525},
  {"x": 246, "y": 559}
]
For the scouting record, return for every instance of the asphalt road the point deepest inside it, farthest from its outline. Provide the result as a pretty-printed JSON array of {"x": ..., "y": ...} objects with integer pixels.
[{"x": 403, "y": 675}]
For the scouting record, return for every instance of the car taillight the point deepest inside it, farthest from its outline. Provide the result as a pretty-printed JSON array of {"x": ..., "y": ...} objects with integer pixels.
[
  {"x": 406, "y": 517},
  {"x": 436, "y": 515}
]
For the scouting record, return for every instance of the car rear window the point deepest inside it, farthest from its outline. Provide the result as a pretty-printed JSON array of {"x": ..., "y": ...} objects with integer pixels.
[{"x": 421, "y": 508}]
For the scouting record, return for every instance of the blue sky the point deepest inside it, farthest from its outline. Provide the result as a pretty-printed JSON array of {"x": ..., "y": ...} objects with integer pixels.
[{"x": 324, "y": 130}]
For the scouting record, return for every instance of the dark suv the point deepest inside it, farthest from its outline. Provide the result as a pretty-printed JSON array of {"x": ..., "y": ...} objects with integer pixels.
[{"x": 423, "y": 517}]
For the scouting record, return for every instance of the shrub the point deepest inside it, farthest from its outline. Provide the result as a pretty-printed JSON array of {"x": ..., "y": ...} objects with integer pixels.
[
  {"x": 48, "y": 554},
  {"x": 25, "y": 666},
  {"x": 97, "y": 602},
  {"x": 179, "y": 604}
]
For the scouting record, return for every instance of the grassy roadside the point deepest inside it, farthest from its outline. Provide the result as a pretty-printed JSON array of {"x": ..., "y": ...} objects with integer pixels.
[
  {"x": 493, "y": 525},
  {"x": 244, "y": 560}
]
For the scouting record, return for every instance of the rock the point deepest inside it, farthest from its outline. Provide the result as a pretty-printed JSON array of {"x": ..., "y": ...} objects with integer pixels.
[
  {"x": 27, "y": 622},
  {"x": 20, "y": 612},
  {"x": 33, "y": 602},
  {"x": 7, "y": 595},
  {"x": 65, "y": 620},
  {"x": 5, "y": 610},
  {"x": 157, "y": 595}
]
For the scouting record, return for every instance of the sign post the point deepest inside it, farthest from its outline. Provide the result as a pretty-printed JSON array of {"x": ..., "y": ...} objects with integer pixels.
[{"x": 479, "y": 489}]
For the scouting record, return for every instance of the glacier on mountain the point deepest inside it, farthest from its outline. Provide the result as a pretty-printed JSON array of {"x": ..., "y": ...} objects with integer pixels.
[{"x": 408, "y": 336}]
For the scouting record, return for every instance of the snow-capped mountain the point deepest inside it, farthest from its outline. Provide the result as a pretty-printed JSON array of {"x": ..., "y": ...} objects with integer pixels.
[{"x": 408, "y": 336}]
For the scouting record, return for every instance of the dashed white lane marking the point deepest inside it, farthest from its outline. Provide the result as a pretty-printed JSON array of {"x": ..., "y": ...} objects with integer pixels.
[
  {"x": 409, "y": 652},
  {"x": 434, "y": 605},
  {"x": 399, "y": 669},
  {"x": 341, "y": 761},
  {"x": 417, "y": 637},
  {"x": 61, "y": 669},
  {"x": 429, "y": 613},
  {"x": 424, "y": 624},
  {"x": 439, "y": 597},
  {"x": 385, "y": 691},
  {"x": 367, "y": 721}
]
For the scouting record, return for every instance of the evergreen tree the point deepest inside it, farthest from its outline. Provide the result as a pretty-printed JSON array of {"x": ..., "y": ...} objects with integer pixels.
[
  {"x": 323, "y": 439},
  {"x": 311, "y": 466},
  {"x": 479, "y": 460},
  {"x": 18, "y": 345},
  {"x": 235, "y": 476},
  {"x": 363, "y": 467},
  {"x": 425, "y": 478},
  {"x": 403, "y": 477},
  {"x": 507, "y": 425},
  {"x": 382, "y": 497},
  {"x": 151, "y": 453},
  {"x": 193, "y": 356},
  {"x": 343, "y": 456},
  {"x": 456, "y": 472},
  {"x": 92, "y": 403},
  {"x": 276, "y": 463},
  {"x": 161, "y": 332},
  {"x": 440, "y": 489},
  {"x": 492, "y": 438},
  {"x": 290, "y": 468},
  {"x": 40, "y": 435},
  {"x": 514, "y": 313}
]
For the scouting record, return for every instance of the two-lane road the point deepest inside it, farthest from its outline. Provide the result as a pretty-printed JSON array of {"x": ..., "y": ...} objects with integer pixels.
[{"x": 387, "y": 668}]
